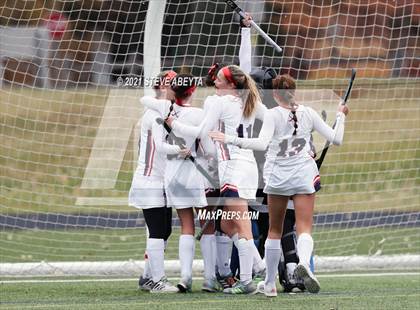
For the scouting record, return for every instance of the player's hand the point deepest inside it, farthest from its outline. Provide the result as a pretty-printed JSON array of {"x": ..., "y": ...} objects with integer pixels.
[
  {"x": 246, "y": 22},
  {"x": 343, "y": 108},
  {"x": 217, "y": 136},
  {"x": 169, "y": 120},
  {"x": 184, "y": 153}
]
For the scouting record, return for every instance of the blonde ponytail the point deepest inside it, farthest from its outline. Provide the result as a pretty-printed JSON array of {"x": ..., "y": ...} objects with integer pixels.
[{"x": 243, "y": 81}]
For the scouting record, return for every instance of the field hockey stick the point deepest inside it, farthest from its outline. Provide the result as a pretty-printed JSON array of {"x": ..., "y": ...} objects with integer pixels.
[
  {"x": 178, "y": 141},
  {"x": 205, "y": 225},
  {"x": 324, "y": 118},
  {"x": 241, "y": 13},
  {"x": 213, "y": 183},
  {"x": 343, "y": 102},
  {"x": 324, "y": 115}
]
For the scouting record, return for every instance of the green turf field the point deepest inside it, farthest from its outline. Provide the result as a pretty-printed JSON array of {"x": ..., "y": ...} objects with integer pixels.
[
  {"x": 337, "y": 293},
  {"x": 126, "y": 244}
]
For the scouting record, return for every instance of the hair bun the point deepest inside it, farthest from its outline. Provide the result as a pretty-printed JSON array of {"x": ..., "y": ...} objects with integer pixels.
[{"x": 284, "y": 81}]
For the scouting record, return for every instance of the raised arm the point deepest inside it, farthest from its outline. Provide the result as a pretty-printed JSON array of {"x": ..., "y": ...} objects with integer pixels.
[
  {"x": 245, "y": 51},
  {"x": 212, "y": 114},
  {"x": 257, "y": 144},
  {"x": 335, "y": 135}
]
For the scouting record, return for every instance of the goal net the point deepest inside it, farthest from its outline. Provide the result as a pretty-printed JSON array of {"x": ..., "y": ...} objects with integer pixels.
[{"x": 71, "y": 74}]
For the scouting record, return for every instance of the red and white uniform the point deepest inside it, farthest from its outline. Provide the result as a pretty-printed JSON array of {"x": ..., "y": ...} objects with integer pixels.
[
  {"x": 289, "y": 169},
  {"x": 184, "y": 184},
  {"x": 237, "y": 168},
  {"x": 147, "y": 188}
]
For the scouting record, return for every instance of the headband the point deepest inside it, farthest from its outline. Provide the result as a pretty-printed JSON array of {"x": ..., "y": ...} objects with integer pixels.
[
  {"x": 170, "y": 75},
  {"x": 187, "y": 93},
  {"x": 228, "y": 75}
]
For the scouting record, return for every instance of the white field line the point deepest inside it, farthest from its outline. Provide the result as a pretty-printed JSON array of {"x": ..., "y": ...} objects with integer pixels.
[{"x": 344, "y": 275}]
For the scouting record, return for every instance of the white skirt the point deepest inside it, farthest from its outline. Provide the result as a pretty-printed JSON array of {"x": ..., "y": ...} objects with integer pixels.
[
  {"x": 184, "y": 185},
  {"x": 146, "y": 192},
  {"x": 239, "y": 175},
  {"x": 291, "y": 180}
]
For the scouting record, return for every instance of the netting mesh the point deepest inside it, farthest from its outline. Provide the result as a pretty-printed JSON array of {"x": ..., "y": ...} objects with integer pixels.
[{"x": 71, "y": 75}]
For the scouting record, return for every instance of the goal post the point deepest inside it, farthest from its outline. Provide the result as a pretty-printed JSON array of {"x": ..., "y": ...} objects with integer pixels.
[{"x": 71, "y": 74}]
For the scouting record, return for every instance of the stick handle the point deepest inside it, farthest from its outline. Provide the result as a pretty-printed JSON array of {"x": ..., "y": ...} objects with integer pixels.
[
  {"x": 241, "y": 13},
  {"x": 321, "y": 158},
  {"x": 266, "y": 37},
  {"x": 347, "y": 94},
  {"x": 191, "y": 158},
  {"x": 201, "y": 232},
  {"x": 205, "y": 225}
]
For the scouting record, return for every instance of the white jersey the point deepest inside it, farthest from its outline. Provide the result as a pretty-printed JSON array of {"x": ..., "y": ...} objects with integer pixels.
[
  {"x": 192, "y": 117},
  {"x": 147, "y": 187},
  {"x": 184, "y": 185},
  {"x": 224, "y": 113},
  {"x": 246, "y": 129},
  {"x": 289, "y": 168},
  {"x": 236, "y": 167},
  {"x": 288, "y": 149},
  {"x": 150, "y": 162},
  {"x": 284, "y": 148}
]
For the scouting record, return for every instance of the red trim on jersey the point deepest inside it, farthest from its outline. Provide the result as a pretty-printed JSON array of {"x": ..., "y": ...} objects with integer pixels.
[
  {"x": 152, "y": 157},
  {"x": 227, "y": 186},
  {"x": 317, "y": 179},
  {"x": 150, "y": 154},
  {"x": 223, "y": 146}
]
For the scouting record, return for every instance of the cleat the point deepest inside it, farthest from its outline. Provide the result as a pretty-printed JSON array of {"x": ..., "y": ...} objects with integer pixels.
[
  {"x": 184, "y": 286},
  {"x": 146, "y": 284},
  {"x": 225, "y": 282},
  {"x": 270, "y": 290},
  {"x": 210, "y": 286},
  {"x": 299, "y": 288},
  {"x": 293, "y": 284},
  {"x": 163, "y": 286},
  {"x": 309, "y": 280},
  {"x": 258, "y": 277},
  {"x": 240, "y": 288},
  {"x": 260, "y": 287}
]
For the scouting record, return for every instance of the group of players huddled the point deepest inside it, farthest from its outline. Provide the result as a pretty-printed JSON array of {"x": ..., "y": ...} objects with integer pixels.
[{"x": 235, "y": 126}]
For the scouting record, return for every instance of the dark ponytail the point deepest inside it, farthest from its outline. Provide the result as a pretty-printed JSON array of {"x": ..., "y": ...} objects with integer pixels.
[
  {"x": 212, "y": 73},
  {"x": 284, "y": 86},
  {"x": 183, "y": 85}
]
